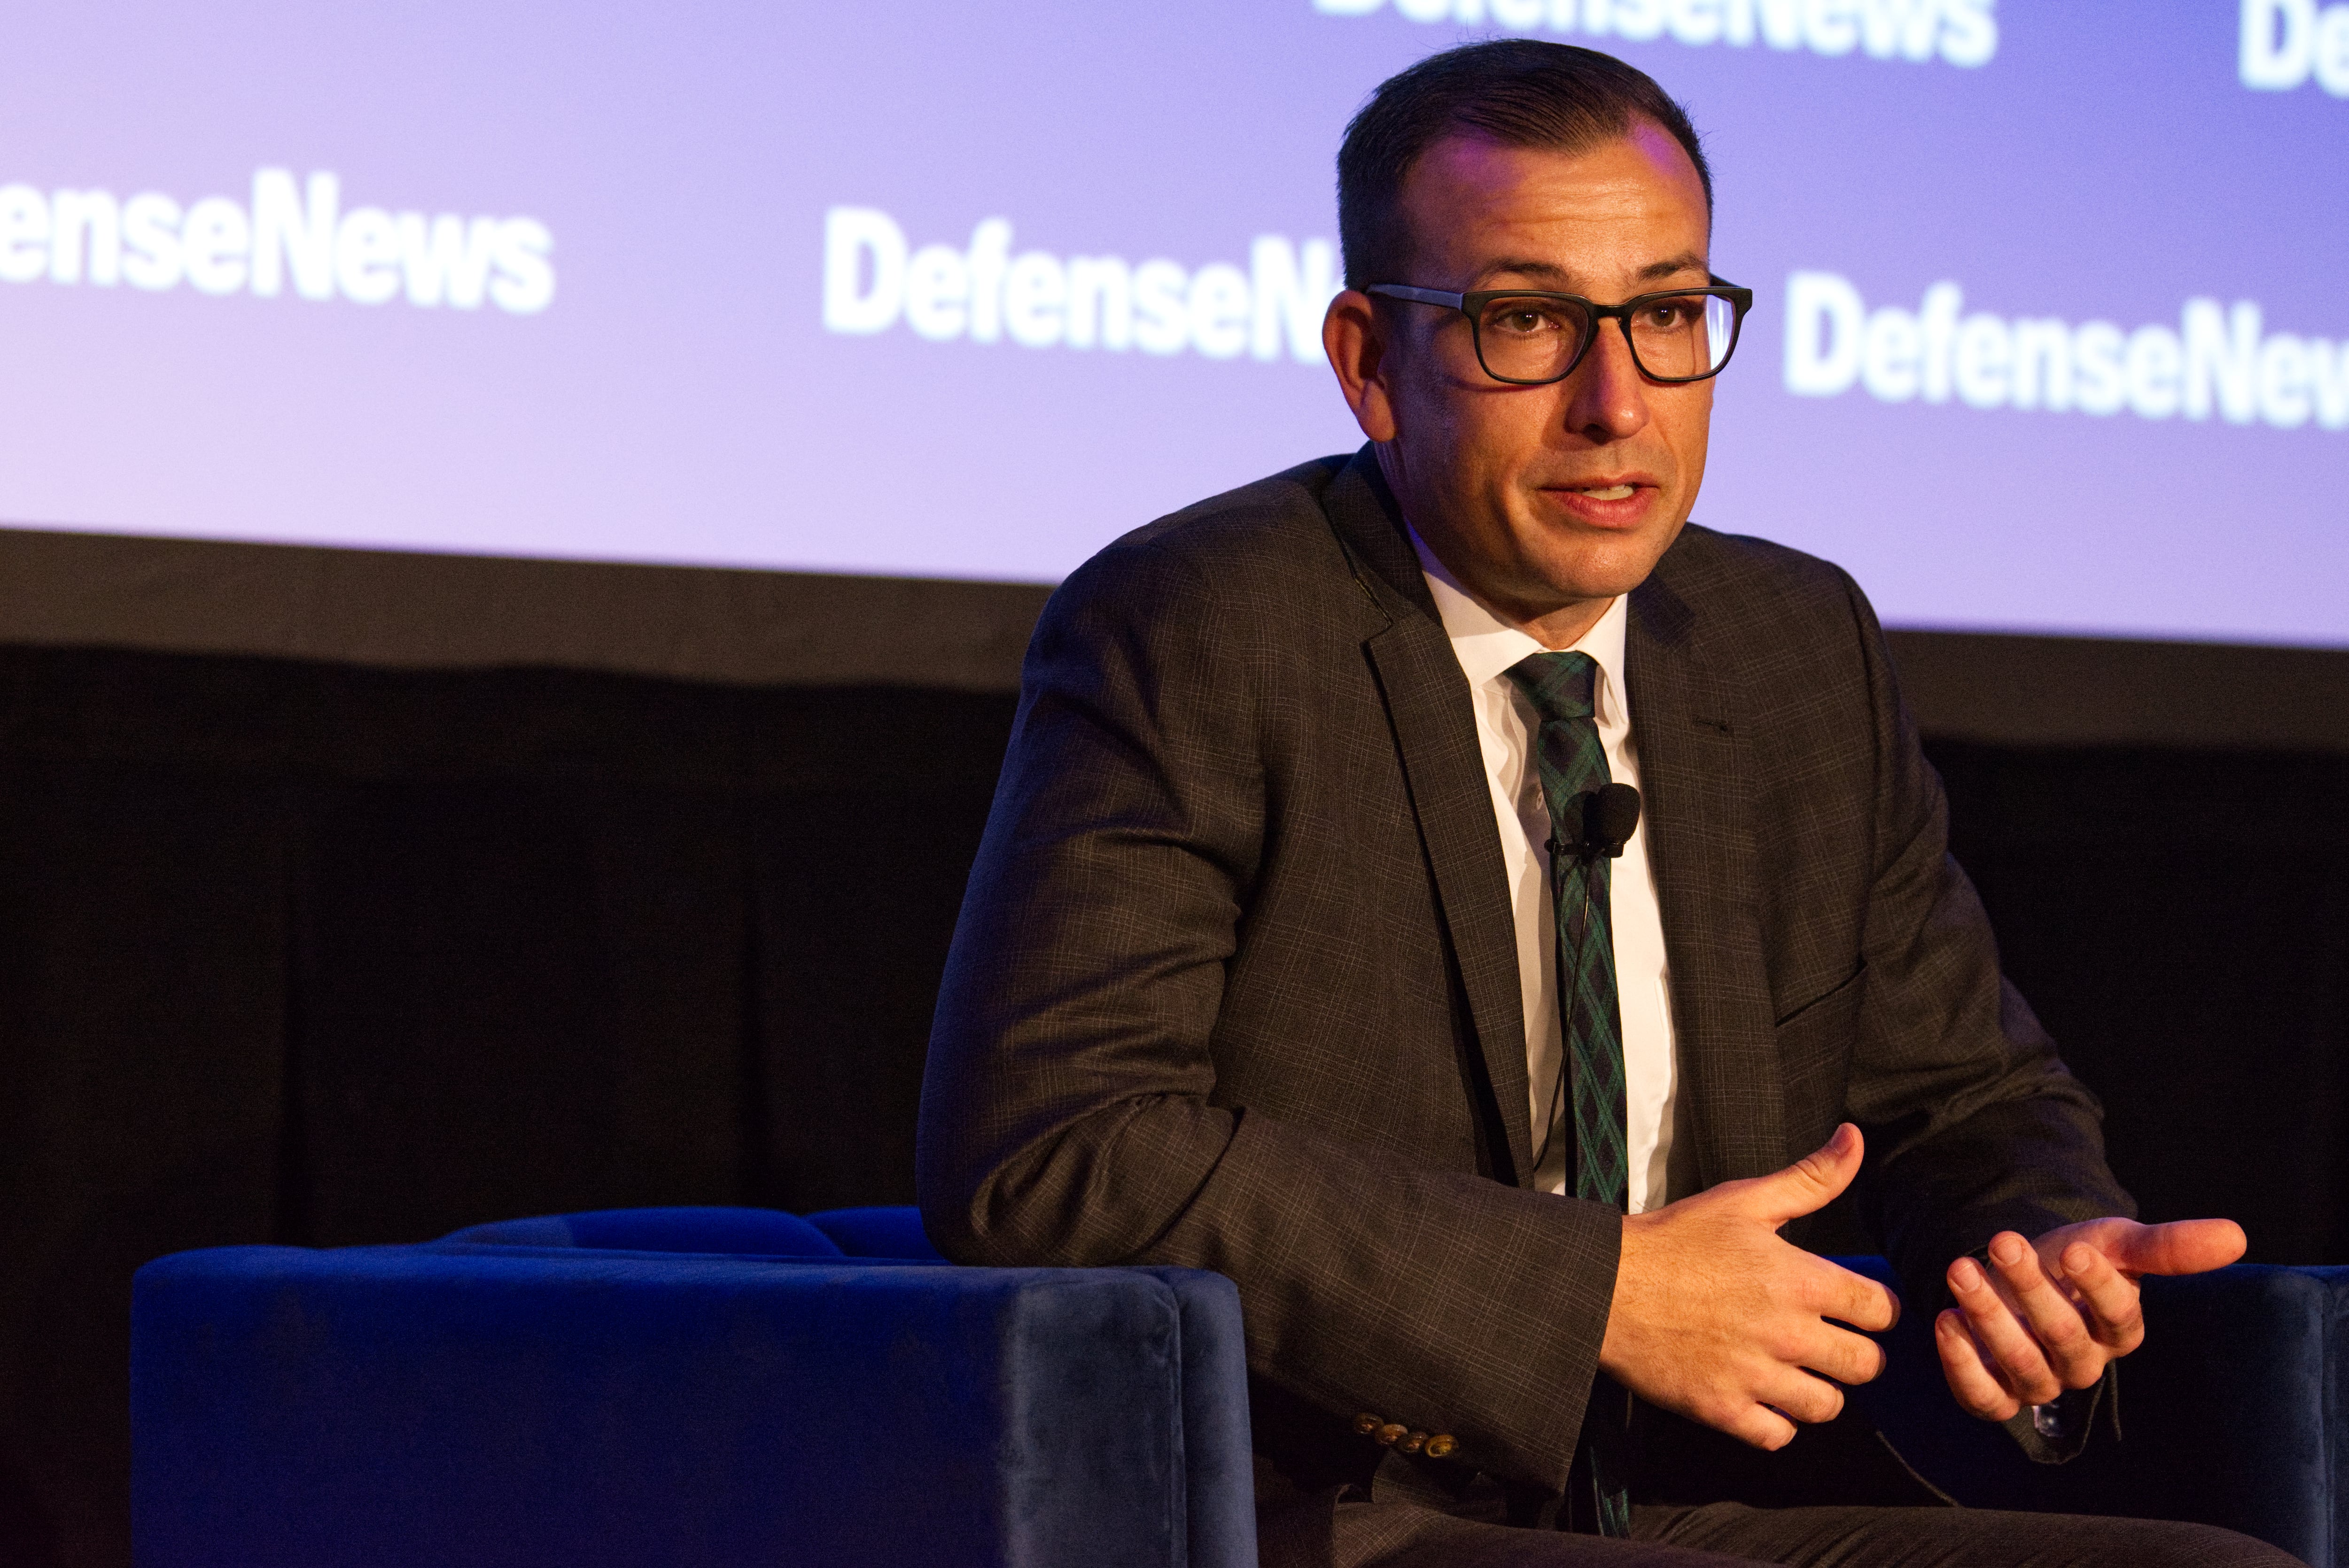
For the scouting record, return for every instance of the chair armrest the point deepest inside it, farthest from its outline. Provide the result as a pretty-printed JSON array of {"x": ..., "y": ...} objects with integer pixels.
[
  {"x": 2231, "y": 1413},
  {"x": 468, "y": 1406},
  {"x": 1219, "y": 1458}
]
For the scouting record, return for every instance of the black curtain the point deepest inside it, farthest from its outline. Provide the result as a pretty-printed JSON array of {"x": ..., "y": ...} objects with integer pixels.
[
  {"x": 313, "y": 954},
  {"x": 309, "y": 953},
  {"x": 2180, "y": 922}
]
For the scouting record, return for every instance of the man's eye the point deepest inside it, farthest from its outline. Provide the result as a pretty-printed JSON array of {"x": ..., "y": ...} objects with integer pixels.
[{"x": 1524, "y": 321}]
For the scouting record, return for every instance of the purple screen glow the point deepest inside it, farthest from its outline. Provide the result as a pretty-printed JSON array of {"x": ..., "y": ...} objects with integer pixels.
[{"x": 2050, "y": 332}]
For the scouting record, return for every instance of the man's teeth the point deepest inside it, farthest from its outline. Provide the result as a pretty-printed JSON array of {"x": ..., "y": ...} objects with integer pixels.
[{"x": 1612, "y": 492}]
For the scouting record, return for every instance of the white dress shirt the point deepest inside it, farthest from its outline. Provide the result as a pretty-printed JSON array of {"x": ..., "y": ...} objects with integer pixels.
[{"x": 1487, "y": 646}]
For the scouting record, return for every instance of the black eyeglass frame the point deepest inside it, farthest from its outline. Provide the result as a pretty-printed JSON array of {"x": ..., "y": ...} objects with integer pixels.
[{"x": 1472, "y": 305}]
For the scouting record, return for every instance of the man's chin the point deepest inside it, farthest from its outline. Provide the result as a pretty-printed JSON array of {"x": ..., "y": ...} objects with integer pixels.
[{"x": 1612, "y": 569}]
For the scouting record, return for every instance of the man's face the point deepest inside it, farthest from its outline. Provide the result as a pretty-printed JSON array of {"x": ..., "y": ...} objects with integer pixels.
[{"x": 1548, "y": 501}]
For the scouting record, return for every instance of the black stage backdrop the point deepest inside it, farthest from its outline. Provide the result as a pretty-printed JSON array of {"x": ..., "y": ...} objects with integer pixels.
[{"x": 304, "y": 952}]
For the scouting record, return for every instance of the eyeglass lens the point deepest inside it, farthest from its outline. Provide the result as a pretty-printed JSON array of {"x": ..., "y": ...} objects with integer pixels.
[{"x": 1527, "y": 337}]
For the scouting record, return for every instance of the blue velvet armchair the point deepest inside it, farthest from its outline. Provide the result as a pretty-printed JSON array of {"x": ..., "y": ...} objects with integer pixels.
[{"x": 717, "y": 1386}]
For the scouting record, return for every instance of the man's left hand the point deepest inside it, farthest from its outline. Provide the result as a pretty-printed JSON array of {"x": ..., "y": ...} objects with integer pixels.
[{"x": 2051, "y": 1314}]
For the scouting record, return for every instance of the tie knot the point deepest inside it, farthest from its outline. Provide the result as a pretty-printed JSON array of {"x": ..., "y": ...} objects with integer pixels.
[{"x": 1559, "y": 685}]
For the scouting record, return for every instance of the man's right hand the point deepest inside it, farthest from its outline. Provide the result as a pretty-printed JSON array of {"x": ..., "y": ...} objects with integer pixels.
[{"x": 1718, "y": 1318}]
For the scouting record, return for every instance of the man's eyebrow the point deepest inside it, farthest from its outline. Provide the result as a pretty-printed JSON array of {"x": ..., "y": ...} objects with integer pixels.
[
  {"x": 1557, "y": 276},
  {"x": 1686, "y": 261},
  {"x": 1550, "y": 272}
]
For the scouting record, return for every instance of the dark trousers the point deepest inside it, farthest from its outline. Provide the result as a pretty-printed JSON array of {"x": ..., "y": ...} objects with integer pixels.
[{"x": 1723, "y": 1534}]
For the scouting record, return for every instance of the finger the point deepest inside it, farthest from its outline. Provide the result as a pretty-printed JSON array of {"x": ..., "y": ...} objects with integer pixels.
[
  {"x": 1839, "y": 1354},
  {"x": 1810, "y": 1183},
  {"x": 1759, "y": 1426},
  {"x": 2115, "y": 1317},
  {"x": 2181, "y": 1247},
  {"x": 2072, "y": 1351},
  {"x": 1975, "y": 1386},
  {"x": 1834, "y": 1291},
  {"x": 2021, "y": 1364},
  {"x": 1802, "y": 1398}
]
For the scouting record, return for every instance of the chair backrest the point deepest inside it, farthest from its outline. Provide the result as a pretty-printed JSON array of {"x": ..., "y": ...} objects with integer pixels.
[
  {"x": 2230, "y": 1413},
  {"x": 762, "y": 1232},
  {"x": 878, "y": 1233},
  {"x": 891, "y": 1232}
]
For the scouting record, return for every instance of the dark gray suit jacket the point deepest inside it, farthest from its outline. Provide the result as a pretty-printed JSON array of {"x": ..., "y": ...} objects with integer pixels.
[{"x": 1235, "y": 983}]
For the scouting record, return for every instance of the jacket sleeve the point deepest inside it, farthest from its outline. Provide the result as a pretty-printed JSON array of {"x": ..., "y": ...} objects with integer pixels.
[
  {"x": 1069, "y": 1113},
  {"x": 1974, "y": 1125}
]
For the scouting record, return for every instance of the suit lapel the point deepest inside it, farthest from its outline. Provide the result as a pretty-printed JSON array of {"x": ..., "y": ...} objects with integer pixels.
[
  {"x": 1695, "y": 783},
  {"x": 1428, "y": 702}
]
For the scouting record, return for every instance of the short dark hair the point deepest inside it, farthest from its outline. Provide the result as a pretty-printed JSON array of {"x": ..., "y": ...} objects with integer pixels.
[{"x": 1520, "y": 92}]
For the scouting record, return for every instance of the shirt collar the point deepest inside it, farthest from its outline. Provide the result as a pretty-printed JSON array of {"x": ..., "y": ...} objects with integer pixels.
[{"x": 1486, "y": 645}]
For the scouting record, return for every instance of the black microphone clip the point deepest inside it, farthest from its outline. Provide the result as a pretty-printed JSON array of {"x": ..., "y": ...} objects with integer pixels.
[{"x": 1610, "y": 815}]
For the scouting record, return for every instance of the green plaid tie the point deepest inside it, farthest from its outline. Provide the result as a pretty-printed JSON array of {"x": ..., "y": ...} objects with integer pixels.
[{"x": 1573, "y": 768}]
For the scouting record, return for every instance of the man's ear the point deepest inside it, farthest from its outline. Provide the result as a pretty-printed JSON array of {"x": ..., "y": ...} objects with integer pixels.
[{"x": 1354, "y": 336}]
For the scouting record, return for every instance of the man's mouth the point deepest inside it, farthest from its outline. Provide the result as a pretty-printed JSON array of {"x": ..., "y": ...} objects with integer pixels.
[{"x": 1606, "y": 492}]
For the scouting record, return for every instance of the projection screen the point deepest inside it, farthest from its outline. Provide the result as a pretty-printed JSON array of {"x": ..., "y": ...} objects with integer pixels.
[{"x": 2050, "y": 334}]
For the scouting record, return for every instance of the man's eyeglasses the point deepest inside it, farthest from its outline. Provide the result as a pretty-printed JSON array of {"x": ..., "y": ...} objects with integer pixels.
[{"x": 1529, "y": 338}]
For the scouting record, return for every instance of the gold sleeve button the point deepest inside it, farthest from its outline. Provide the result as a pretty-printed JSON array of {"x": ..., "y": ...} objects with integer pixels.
[
  {"x": 1441, "y": 1445},
  {"x": 1412, "y": 1443},
  {"x": 1367, "y": 1424},
  {"x": 1390, "y": 1434}
]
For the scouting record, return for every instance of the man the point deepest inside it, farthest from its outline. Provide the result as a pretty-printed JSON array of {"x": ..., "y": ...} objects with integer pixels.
[{"x": 1310, "y": 943}]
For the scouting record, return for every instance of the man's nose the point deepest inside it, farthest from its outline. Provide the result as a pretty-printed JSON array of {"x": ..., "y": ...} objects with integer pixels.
[{"x": 1607, "y": 398}]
